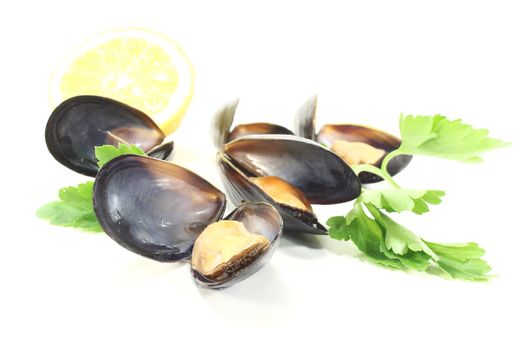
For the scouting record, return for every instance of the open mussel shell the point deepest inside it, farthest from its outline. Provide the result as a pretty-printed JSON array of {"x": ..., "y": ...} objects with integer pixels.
[
  {"x": 240, "y": 189},
  {"x": 318, "y": 173},
  {"x": 258, "y": 218},
  {"x": 223, "y": 121},
  {"x": 163, "y": 151},
  {"x": 80, "y": 123},
  {"x": 305, "y": 120},
  {"x": 154, "y": 208},
  {"x": 376, "y": 138}
]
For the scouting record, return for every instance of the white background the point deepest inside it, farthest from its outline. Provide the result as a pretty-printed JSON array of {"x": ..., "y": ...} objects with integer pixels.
[{"x": 64, "y": 289}]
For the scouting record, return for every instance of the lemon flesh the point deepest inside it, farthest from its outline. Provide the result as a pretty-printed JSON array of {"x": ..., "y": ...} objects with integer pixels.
[{"x": 141, "y": 68}]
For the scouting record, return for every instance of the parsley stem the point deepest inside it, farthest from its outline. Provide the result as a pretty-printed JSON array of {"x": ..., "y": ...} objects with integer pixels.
[
  {"x": 388, "y": 158},
  {"x": 384, "y": 166},
  {"x": 376, "y": 171}
]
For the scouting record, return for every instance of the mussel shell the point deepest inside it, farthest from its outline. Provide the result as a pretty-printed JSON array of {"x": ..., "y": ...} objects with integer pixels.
[
  {"x": 242, "y": 130},
  {"x": 320, "y": 174},
  {"x": 240, "y": 189},
  {"x": 259, "y": 218},
  {"x": 80, "y": 123},
  {"x": 163, "y": 151},
  {"x": 223, "y": 121},
  {"x": 305, "y": 120},
  {"x": 329, "y": 133},
  {"x": 154, "y": 208}
]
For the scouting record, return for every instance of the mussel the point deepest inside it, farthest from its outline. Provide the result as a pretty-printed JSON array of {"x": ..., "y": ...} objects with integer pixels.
[
  {"x": 167, "y": 213},
  {"x": 255, "y": 219},
  {"x": 223, "y": 121},
  {"x": 356, "y": 144},
  {"x": 288, "y": 172},
  {"x": 80, "y": 123}
]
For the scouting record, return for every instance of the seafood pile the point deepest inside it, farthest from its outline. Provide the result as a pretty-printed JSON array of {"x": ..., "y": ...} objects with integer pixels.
[{"x": 162, "y": 211}]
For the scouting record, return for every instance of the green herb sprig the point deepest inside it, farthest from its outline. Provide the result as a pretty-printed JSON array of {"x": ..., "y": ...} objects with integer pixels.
[
  {"x": 75, "y": 205},
  {"x": 386, "y": 242}
]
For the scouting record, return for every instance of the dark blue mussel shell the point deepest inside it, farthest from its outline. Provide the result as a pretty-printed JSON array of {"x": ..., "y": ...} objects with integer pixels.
[{"x": 80, "y": 123}]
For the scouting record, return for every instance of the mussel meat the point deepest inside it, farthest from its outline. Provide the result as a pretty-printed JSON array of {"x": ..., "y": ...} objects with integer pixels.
[
  {"x": 80, "y": 123},
  {"x": 158, "y": 209},
  {"x": 223, "y": 121},
  {"x": 225, "y": 245},
  {"x": 356, "y": 144}
]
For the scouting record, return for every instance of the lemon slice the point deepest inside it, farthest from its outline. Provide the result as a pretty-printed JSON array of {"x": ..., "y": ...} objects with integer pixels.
[{"x": 139, "y": 67}]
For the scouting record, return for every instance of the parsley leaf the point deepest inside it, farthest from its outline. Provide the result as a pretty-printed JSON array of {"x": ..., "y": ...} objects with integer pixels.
[
  {"x": 439, "y": 137},
  {"x": 364, "y": 232},
  {"x": 107, "y": 152},
  {"x": 74, "y": 209},
  {"x": 398, "y": 238},
  {"x": 399, "y": 200},
  {"x": 461, "y": 260},
  {"x": 386, "y": 242}
]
